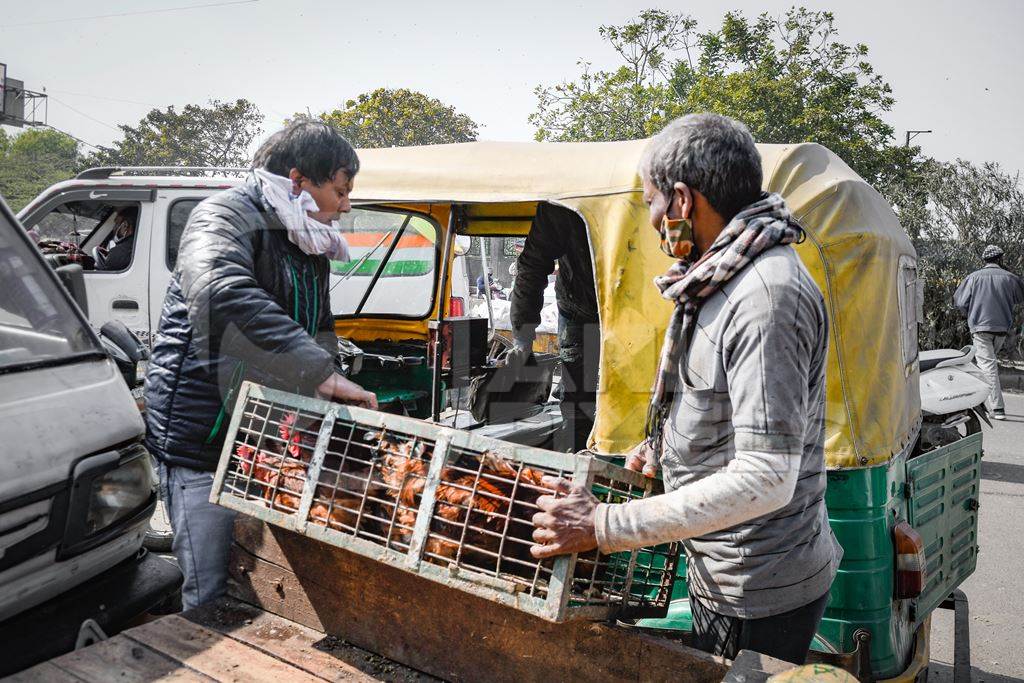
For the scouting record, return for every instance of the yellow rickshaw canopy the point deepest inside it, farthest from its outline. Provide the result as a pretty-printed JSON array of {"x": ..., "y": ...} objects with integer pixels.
[{"x": 856, "y": 251}]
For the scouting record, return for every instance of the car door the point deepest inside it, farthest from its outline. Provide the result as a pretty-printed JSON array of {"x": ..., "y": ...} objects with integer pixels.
[
  {"x": 172, "y": 209},
  {"x": 121, "y": 294}
]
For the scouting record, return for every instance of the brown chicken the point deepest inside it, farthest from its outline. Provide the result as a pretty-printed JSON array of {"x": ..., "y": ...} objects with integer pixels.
[
  {"x": 484, "y": 499},
  {"x": 283, "y": 475},
  {"x": 280, "y": 478}
]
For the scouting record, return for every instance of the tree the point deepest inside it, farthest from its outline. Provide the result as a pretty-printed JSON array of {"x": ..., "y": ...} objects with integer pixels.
[
  {"x": 216, "y": 135},
  {"x": 399, "y": 118},
  {"x": 628, "y": 103},
  {"x": 789, "y": 79},
  {"x": 32, "y": 161},
  {"x": 951, "y": 211}
]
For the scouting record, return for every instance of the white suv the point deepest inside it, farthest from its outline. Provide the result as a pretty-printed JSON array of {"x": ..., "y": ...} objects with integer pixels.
[{"x": 158, "y": 200}]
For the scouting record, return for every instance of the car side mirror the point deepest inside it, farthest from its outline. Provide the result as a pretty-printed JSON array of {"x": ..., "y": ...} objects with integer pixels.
[
  {"x": 73, "y": 278},
  {"x": 125, "y": 349},
  {"x": 117, "y": 332}
]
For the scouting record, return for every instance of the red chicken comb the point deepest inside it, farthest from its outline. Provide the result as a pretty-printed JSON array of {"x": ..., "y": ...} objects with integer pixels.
[{"x": 244, "y": 454}]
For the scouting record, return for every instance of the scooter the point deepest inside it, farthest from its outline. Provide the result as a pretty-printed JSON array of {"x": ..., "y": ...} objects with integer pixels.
[{"x": 953, "y": 393}]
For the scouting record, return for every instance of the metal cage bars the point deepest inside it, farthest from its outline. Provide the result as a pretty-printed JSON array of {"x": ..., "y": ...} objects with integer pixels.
[{"x": 327, "y": 483}]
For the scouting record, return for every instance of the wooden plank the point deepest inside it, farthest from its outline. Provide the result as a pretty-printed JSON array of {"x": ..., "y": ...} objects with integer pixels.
[
  {"x": 212, "y": 653},
  {"x": 307, "y": 649},
  {"x": 118, "y": 658},
  {"x": 448, "y": 633},
  {"x": 47, "y": 671}
]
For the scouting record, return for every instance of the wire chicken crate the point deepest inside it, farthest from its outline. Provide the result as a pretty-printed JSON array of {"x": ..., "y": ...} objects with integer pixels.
[{"x": 446, "y": 504}]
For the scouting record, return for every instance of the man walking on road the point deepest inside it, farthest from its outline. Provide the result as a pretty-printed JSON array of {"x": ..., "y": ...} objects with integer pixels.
[{"x": 987, "y": 297}]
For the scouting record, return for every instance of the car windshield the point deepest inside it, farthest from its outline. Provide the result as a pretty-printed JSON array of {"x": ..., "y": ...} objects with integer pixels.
[
  {"x": 37, "y": 322},
  {"x": 391, "y": 271}
]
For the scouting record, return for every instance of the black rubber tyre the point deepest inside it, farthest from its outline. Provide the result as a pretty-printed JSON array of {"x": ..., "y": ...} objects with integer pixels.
[{"x": 159, "y": 536}]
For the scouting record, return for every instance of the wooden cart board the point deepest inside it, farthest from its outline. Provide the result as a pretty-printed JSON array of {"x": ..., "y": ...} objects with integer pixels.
[
  {"x": 453, "y": 635},
  {"x": 226, "y": 641},
  {"x": 312, "y": 612}
]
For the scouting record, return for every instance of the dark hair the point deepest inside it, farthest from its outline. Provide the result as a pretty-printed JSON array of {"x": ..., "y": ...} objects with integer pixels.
[
  {"x": 712, "y": 154},
  {"x": 998, "y": 258},
  {"x": 317, "y": 150}
]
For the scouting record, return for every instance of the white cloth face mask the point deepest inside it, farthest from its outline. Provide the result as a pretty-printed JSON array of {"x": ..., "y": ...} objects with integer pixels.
[{"x": 307, "y": 233}]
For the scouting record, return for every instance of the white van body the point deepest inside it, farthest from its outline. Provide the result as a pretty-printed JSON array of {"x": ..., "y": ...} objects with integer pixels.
[
  {"x": 65, "y": 415},
  {"x": 135, "y": 295},
  {"x": 96, "y": 410}
]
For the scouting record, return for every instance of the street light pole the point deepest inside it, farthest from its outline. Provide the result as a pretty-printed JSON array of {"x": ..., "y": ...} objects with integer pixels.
[{"x": 911, "y": 134}]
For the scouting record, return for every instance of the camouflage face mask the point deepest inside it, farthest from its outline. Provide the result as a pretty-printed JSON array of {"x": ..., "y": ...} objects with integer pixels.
[{"x": 676, "y": 237}]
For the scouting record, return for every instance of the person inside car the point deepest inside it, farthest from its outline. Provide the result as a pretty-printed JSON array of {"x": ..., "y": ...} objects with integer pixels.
[
  {"x": 557, "y": 243},
  {"x": 116, "y": 254}
]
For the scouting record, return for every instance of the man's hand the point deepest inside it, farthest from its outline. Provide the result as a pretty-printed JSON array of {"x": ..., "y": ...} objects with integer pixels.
[
  {"x": 346, "y": 391},
  {"x": 564, "y": 525},
  {"x": 516, "y": 357},
  {"x": 644, "y": 459},
  {"x": 522, "y": 346}
]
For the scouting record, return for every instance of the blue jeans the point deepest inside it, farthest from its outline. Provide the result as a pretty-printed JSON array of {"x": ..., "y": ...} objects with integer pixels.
[{"x": 202, "y": 533}]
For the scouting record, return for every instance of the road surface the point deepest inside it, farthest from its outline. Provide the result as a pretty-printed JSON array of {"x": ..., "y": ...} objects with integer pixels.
[{"x": 996, "y": 589}]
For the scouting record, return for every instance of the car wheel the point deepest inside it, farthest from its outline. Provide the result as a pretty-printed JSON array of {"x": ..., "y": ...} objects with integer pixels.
[{"x": 159, "y": 535}]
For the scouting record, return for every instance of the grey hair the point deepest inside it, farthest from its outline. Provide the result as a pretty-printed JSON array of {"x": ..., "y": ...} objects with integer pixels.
[{"x": 712, "y": 154}]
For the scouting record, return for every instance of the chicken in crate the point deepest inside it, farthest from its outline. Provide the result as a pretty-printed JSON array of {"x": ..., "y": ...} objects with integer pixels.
[{"x": 446, "y": 504}]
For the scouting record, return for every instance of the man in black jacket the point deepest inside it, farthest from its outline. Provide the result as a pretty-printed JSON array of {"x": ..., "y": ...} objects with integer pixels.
[
  {"x": 248, "y": 299},
  {"x": 559, "y": 235}
]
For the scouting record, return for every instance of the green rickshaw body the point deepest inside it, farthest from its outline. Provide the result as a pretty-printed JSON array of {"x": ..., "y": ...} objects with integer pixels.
[{"x": 937, "y": 493}]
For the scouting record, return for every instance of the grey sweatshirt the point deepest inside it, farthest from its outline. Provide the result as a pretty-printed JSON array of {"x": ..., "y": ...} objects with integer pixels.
[{"x": 743, "y": 456}]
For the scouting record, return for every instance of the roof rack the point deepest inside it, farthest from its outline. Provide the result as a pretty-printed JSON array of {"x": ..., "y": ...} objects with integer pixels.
[{"x": 103, "y": 172}]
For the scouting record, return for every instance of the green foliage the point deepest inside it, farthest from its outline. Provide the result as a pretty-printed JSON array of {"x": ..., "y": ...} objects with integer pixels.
[
  {"x": 627, "y": 103},
  {"x": 216, "y": 135},
  {"x": 32, "y": 161},
  {"x": 951, "y": 211},
  {"x": 788, "y": 78},
  {"x": 399, "y": 118}
]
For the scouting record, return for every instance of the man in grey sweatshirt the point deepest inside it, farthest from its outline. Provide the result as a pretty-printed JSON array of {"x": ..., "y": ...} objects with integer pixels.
[
  {"x": 737, "y": 421},
  {"x": 987, "y": 297}
]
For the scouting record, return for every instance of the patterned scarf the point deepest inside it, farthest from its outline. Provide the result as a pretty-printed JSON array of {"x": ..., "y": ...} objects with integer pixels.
[{"x": 757, "y": 228}]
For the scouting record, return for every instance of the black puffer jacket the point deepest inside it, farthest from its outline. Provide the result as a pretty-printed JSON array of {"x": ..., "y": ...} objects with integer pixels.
[
  {"x": 557, "y": 234},
  {"x": 244, "y": 303}
]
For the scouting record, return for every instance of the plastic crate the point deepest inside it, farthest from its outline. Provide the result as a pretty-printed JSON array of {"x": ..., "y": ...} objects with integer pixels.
[{"x": 446, "y": 504}]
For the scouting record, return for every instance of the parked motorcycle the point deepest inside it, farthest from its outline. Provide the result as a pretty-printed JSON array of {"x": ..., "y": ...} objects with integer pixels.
[{"x": 953, "y": 393}]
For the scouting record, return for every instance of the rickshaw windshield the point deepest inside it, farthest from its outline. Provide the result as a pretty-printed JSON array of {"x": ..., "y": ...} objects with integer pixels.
[{"x": 392, "y": 267}]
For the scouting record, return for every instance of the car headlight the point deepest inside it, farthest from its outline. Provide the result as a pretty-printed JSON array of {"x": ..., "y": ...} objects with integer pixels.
[
  {"x": 109, "y": 492},
  {"x": 118, "y": 493}
]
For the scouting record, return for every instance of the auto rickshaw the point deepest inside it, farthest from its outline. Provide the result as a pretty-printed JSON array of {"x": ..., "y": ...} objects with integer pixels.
[{"x": 905, "y": 516}]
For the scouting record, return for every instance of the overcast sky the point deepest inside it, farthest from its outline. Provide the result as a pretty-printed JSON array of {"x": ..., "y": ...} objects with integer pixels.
[{"x": 955, "y": 67}]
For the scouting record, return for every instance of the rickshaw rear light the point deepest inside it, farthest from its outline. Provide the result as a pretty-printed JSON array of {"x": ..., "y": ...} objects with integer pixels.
[
  {"x": 456, "y": 307},
  {"x": 910, "y": 561}
]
